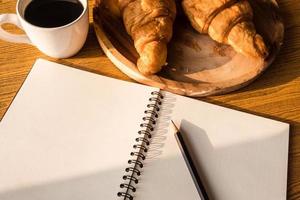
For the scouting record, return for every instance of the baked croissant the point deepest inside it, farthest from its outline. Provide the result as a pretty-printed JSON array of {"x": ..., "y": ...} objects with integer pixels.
[
  {"x": 228, "y": 22},
  {"x": 150, "y": 24}
]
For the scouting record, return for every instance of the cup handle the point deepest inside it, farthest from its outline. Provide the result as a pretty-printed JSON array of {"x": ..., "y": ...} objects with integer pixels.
[{"x": 4, "y": 35}]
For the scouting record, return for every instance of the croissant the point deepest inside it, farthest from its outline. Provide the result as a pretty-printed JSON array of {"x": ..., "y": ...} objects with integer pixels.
[
  {"x": 228, "y": 22},
  {"x": 112, "y": 5},
  {"x": 150, "y": 24}
]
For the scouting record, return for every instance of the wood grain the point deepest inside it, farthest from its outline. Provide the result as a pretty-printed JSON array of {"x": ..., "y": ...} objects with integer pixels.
[
  {"x": 275, "y": 94},
  {"x": 196, "y": 66}
]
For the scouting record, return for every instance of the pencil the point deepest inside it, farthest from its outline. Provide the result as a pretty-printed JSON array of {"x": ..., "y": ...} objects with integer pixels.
[{"x": 189, "y": 162}]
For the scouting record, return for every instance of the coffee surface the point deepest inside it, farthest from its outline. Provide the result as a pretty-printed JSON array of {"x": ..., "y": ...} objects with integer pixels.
[{"x": 53, "y": 13}]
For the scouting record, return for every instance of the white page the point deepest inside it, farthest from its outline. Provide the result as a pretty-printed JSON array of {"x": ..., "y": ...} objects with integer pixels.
[
  {"x": 68, "y": 135},
  {"x": 239, "y": 156}
]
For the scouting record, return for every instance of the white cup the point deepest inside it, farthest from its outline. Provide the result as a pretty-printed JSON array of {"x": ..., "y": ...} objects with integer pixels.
[{"x": 58, "y": 42}]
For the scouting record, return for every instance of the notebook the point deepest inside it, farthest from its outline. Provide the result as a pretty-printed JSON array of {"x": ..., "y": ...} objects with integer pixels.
[{"x": 75, "y": 135}]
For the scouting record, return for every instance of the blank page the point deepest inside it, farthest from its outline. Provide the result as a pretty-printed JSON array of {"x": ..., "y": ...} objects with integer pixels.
[
  {"x": 68, "y": 135},
  {"x": 239, "y": 156}
]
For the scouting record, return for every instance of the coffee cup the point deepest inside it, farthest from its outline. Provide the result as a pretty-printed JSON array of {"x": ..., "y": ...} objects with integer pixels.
[{"x": 58, "y": 38}]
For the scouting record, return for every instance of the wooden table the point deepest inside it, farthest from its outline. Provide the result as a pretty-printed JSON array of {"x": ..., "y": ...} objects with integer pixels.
[{"x": 276, "y": 94}]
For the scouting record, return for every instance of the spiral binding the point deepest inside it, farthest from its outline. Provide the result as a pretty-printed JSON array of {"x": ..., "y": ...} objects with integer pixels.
[{"x": 141, "y": 147}]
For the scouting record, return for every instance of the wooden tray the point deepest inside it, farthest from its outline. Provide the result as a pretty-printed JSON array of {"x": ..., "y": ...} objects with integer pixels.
[{"x": 197, "y": 66}]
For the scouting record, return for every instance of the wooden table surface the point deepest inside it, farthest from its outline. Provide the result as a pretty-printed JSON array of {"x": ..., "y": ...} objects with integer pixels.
[{"x": 275, "y": 94}]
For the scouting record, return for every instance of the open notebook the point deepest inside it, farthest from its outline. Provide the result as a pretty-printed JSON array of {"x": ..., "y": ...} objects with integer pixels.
[{"x": 68, "y": 135}]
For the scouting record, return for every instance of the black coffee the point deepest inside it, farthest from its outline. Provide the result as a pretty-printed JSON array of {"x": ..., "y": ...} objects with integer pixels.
[{"x": 53, "y": 13}]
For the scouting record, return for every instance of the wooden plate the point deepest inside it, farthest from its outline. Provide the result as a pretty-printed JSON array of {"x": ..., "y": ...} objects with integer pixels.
[{"x": 197, "y": 66}]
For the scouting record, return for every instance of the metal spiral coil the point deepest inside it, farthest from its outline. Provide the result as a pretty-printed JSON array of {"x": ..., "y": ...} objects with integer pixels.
[
  {"x": 152, "y": 112},
  {"x": 132, "y": 178},
  {"x": 145, "y": 132},
  {"x": 125, "y": 195},
  {"x": 141, "y": 147},
  {"x": 156, "y": 100},
  {"x": 136, "y": 162},
  {"x": 138, "y": 154},
  {"x": 143, "y": 140},
  {"x": 131, "y": 169},
  {"x": 150, "y": 119},
  {"x": 123, "y": 185},
  {"x": 138, "y": 146},
  {"x": 147, "y": 126},
  {"x": 157, "y": 94},
  {"x": 153, "y": 106}
]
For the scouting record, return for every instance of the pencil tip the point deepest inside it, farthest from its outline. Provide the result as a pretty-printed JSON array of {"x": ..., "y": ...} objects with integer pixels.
[{"x": 174, "y": 125}]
